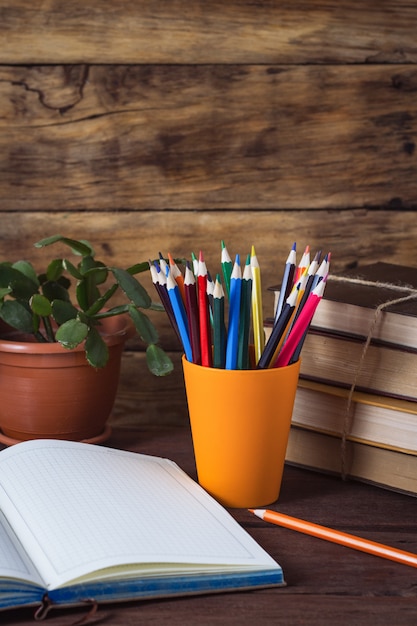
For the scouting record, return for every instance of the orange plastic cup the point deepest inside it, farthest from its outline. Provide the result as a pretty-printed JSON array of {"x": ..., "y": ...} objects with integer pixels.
[{"x": 240, "y": 422}]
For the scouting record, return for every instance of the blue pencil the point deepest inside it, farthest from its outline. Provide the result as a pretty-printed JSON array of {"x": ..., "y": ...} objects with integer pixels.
[
  {"x": 243, "y": 362},
  {"x": 234, "y": 316},
  {"x": 180, "y": 315}
]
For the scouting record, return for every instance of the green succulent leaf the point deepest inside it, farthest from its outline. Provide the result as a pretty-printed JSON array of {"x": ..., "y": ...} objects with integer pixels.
[
  {"x": 72, "y": 269},
  {"x": 54, "y": 270},
  {"x": 22, "y": 287},
  {"x": 139, "y": 267},
  {"x": 86, "y": 264},
  {"x": 40, "y": 305},
  {"x": 158, "y": 361},
  {"x": 96, "y": 350},
  {"x": 102, "y": 301},
  {"x": 17, "y": 315},
  {"x": 4, "y": 291},
  {"x": 27, "y": 269},
  {"x": 99, "y": 272},
  {"x": 132, "y": 288},
  {"x": 143, "y": 325},
  {"x": 63, "y": 311},
  {"x": 64, "y": 282},
  {"x": 71, "y": 333},
  {"x": 53, "y": 290},
  {"x": 87, "y": 293},
  {"x": 80, "y": 247}
]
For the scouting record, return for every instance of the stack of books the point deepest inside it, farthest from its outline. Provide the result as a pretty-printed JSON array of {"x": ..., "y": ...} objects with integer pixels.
[{"x": 358, "y": 380}]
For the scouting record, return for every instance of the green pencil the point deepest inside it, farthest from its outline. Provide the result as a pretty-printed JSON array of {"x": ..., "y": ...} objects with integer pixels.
[
  {"x": 227, "y": 267},
  {"x": 219, "y": 328}
]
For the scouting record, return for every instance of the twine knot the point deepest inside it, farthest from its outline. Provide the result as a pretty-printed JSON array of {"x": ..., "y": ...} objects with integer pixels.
[{"x": 350, "y": 413}]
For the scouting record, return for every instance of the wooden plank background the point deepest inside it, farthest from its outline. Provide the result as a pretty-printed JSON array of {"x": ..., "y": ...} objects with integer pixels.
[{"x": 148, "y": 126}]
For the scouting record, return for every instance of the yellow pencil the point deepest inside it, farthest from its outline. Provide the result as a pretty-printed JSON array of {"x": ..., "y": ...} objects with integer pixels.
[
  {"x": 257, "y": 315},
  {"x": 336, "y": 536}
]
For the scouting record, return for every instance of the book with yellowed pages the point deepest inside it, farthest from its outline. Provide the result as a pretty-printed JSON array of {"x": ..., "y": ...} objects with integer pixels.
[
  {"x": 371, "y": 419},
  {"x": 389, "y": 469},
  {"x": 83, "y": 522},
  {"x": 335, "y": 359}
]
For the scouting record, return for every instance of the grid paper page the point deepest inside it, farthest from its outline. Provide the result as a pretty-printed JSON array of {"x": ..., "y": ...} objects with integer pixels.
[
  {"x": 13, "y": 562},
  {"x": 91, "y": 507}
]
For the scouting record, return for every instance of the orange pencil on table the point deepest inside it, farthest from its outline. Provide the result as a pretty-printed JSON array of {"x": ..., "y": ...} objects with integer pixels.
[{"x": 337, "y": 536}]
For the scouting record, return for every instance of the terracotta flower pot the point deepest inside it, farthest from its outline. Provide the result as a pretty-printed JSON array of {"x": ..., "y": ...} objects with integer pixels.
[{"x": 48, "y": 391}]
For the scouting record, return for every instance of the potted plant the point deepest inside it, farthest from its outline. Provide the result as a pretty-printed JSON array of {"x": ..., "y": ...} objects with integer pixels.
[{"x": 61, "y": 343}]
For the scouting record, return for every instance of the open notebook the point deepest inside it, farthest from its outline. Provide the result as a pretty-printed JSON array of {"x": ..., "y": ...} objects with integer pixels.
[{"x": 80, "y": 522}]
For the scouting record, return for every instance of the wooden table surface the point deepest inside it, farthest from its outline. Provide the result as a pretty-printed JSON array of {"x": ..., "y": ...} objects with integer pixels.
[{"x": 326, "y": 583}]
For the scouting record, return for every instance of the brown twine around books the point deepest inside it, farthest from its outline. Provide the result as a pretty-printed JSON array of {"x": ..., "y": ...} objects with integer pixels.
[{"x": 349, "y": 414}]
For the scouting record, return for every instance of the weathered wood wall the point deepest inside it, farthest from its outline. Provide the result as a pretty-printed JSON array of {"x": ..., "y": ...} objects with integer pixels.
[{"x": 148, "y": 126}]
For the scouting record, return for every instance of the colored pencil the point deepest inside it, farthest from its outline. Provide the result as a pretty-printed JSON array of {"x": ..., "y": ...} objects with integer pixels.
[
  {"x": 210, "y": 289},
  {"x": 227, "y": 267},
  {"x": 176, "y": 274},
  {"x": 245, "y": 317},
  {"x": 303, "y": 265},
  {"x": 159, "y": 281},
  {"x": 194, "y": 261},
  {"x": 191, "y": 307},
  {"x": 322, "y": 270},
  {"x": 287, "y": 280},
  {"x": 180, "y": 315},
  {"x": 204, "y": 314},
  {"x": 279, "y": 331},
  {"x": 320, "y": 274},
  {"x": 337, "y": 536},
  {"x": 304, "y": 288},
  {"x": 234, "y": 315},
  {"x": 219, "y": 327},
  {"x": 300, "y": 326},
  {"x": 163, "y": 264},
  {"x": 300, "y": 286},
  {"x": 257, "y": 314}
]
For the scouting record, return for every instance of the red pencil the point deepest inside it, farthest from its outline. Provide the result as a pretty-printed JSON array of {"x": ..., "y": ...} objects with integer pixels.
[
  {"x": 300, "y": 325},
  {"x": 203, "y": 309},
  {"x": 191, "y": 305}
]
